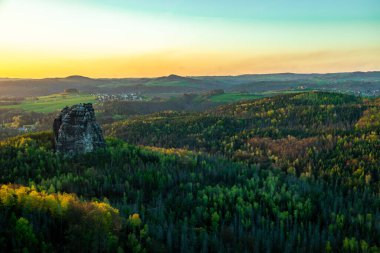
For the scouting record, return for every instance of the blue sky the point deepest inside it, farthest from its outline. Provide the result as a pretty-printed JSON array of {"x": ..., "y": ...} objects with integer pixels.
[{"x": 295, "y": 10}]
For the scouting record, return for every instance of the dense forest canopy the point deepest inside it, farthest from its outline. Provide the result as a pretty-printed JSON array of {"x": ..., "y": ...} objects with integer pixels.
[{"x": 289, "y": 173}]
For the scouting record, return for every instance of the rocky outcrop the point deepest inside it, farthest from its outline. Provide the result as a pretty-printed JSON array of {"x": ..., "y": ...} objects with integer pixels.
[{"x": 76, "y": 130}]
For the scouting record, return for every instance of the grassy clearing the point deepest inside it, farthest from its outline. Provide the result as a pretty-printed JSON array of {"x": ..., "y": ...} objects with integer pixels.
[
  {"x": 51, "y": 103},
  {"x": 233, "y": 97}
]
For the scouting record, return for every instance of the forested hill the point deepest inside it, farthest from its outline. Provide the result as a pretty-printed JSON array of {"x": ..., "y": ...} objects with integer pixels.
[
  {"x": 291, "y": 173},
  {"x": 312, "y": 133},
  {"x": 228, "y": 128}
]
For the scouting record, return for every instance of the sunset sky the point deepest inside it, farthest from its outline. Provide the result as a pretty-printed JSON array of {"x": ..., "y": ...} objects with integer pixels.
[{"x": 134, "y": 38}]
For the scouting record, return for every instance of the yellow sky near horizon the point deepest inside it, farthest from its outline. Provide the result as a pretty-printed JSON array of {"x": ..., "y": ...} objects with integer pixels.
[
  {"x": 169, "y": 62},
  {"x": 56, "y": 39}
]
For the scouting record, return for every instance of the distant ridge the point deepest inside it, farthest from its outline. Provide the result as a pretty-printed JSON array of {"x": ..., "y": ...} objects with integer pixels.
[
  {"x": 77, "y": 77},
  {"x": 172, "y": 77},
  {"x": 354, "y": 82},
  {"x": 175, "y": 76}
]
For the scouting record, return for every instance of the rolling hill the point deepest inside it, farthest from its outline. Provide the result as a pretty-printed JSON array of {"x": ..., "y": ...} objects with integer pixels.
[
  {"x": 288, "y": 173},
  {"x": 367, "y": 83}
]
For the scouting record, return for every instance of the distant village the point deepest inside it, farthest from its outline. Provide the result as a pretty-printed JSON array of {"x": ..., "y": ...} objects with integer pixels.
[{"x": 104, "y": 97}]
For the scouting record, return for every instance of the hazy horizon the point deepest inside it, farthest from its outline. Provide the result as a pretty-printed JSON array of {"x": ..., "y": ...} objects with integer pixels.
[{"x": 131, "y": 77}]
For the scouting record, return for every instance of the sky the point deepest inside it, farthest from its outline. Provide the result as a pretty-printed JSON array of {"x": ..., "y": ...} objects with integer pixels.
[{"x": 146, "y": 38}]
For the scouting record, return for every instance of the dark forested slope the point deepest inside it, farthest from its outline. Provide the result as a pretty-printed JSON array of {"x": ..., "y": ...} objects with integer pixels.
[{"x": 292, "y": 173}]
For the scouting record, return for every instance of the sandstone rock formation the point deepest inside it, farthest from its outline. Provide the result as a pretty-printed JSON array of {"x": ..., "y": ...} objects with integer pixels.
[{"x": 76, "y": 130}]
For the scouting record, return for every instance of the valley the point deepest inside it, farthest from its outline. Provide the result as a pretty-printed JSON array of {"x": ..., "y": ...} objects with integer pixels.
[{"x": 202, "y": 126}]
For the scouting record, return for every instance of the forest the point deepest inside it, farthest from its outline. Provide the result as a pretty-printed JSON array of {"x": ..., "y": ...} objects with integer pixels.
[{"x": 297, "y": 172}]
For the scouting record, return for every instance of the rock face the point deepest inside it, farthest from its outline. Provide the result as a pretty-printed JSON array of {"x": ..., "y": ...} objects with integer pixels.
[{"x": 76, "y": 130}]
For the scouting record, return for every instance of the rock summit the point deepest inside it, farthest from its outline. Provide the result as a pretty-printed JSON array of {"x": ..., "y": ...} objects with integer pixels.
[{"x": 76, "y": 130}]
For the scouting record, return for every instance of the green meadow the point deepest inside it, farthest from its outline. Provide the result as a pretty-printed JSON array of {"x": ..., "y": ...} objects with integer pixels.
[
  {"x": 233, "y": 97},
  {"x": 51, "y": 103}
]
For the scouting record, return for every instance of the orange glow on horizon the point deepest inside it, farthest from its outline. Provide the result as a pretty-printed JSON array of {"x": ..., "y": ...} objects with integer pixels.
[{"x": 188, "y": 64}]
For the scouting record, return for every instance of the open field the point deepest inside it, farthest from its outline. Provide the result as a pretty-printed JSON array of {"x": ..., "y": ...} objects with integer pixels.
[
  {"x": 51, "y": 103},
  {"x": 233, "y": 97}
]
